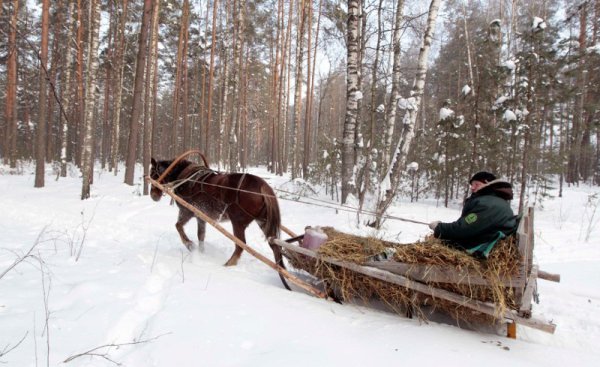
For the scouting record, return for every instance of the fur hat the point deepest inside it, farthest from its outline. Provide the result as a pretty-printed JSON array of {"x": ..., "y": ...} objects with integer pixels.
[{"x": 482, "y": 176}]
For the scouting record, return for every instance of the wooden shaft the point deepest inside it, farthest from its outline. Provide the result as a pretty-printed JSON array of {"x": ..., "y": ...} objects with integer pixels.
[
  {"x": 548, "y": 276},
  {"x": 200, "y": 214}
]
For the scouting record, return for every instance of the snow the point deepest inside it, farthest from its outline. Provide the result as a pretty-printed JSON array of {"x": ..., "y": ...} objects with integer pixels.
[
  {"x": 407, "y": 103},
  {"x": 538, "y": 24},
  {"x": 358, "y": 95},
  {"x": 594, "y": 49},
  {"x": 134, "y": 281},
  {"x": 412, "y": 167},
  {"x": 445, "y": 113},
  {"x": 466, "y": 90},
  {"x": 509, "y": 115},
  {"x": 509, "y": 64},
  {"x": 381, "y": 108}
]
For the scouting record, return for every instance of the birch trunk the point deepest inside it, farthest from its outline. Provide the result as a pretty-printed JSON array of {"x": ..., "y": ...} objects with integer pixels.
[
  {"x": 236, "y": 100},
  {"x": 395, "y": 92},
  {"x": 303, "y": 4},
  {"x": 352, "y": 94},
  {"x": 66, "y": 100},
  {"x": 90, "y": 98},
  {"x": 410, "y": 118}
]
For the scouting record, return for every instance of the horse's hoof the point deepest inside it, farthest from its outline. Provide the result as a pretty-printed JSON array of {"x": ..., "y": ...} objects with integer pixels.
[
  {"x": 231, "y": 263},
  {"x": 201, "y": 246},
  {"x": 189, "y": 245}
]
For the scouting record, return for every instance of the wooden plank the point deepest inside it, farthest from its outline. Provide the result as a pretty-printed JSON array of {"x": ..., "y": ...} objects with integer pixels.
[
  {"x": 384, "y": 275},
  {"x": 525, "y": 307},
  {"x": 440, "y": 274}
]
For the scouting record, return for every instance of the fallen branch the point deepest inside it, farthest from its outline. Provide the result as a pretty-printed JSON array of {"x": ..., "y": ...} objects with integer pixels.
[
  {"x": 96, "y": 352},
  {"x": 8, "y": 348}
]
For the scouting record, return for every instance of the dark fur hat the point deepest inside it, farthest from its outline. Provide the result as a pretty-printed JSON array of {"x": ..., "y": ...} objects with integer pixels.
[{"x": 483, "y": 176}]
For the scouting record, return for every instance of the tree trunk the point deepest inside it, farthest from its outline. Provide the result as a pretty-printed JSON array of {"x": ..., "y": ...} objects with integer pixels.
[
  {"x": 10, "y": 112},
  {"x": 352, "y": 94},
  {"x": 118, "y": 88},
  {"x": 90, "y": 97},
  {"x": 234, "y": 160},
  {"x": 309, "y": 92},
  {"x": 303, "y": 5},
  {"x": 150, "y": 93},
  {"x": 401, "y": 151},
  {"x": 134, "y": 124},
  {"x": 395, "y": 92},
  {"x": 79, "y": 119},
  {"x": 52, "y": 75},
  {"x": 211, "y": 77},
  {"x": 66, "y": 98},
  {"x": 40, "y": 154},
  {"x": 365, "y": 188}
]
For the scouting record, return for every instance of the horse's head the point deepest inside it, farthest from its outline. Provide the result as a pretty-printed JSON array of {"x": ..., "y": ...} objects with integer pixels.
[{"x": 157, "y": 169}]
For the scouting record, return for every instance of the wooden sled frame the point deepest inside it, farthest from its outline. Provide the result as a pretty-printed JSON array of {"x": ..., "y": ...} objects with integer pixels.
[{"x": 412, "y": 276}]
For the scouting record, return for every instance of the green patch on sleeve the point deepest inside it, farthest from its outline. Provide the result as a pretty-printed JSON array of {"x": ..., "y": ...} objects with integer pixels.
[{"x": 471, "y": 218}]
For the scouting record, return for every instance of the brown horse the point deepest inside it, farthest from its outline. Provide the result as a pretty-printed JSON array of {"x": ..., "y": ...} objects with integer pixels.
[{"x": 238, "y": 197}]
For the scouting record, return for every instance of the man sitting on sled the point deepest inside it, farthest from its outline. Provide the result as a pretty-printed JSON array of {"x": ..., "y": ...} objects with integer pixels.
[{"x": 486, "y": 217}]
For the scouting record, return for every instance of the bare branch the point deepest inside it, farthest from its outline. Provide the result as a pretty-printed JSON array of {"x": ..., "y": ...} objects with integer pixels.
[
  {"x": 27, "y": 254},
  {"x": 8, "y": 348},
  {"x": 99, "y": 351}
]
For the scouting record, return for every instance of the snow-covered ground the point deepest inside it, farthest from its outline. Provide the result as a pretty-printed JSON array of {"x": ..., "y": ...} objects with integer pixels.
[{"x": 111, "y": 279}]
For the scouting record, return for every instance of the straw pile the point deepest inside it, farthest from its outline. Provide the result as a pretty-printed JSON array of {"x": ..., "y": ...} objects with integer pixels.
[{"x": 351, "y": 286}]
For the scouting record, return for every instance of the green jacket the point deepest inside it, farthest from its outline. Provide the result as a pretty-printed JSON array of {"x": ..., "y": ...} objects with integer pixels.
[{"x": 484, "y": 214}]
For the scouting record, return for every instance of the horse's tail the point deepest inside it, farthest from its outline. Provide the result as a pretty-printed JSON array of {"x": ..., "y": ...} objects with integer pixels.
[
  {"x": 273, "y": 223},
  {"x": 272, "y": 226}
]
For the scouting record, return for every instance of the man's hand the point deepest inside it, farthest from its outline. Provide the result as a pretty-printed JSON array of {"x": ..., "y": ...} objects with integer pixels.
[{"x": 434, "y": 224}]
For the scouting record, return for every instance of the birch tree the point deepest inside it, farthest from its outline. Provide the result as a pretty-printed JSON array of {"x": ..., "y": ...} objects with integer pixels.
[
  {"x": 66, "y": 99},
  {"x": 395, "y": 92},
  {"x": 352, "y": 97},
  {"x": 399, "y": 160},
  {"x": 90, "y": 97},
  {"x": 234, "y": 154}
]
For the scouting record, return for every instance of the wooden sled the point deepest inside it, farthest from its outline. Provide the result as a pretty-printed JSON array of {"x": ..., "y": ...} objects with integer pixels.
[{"x": 413, "y": 276}]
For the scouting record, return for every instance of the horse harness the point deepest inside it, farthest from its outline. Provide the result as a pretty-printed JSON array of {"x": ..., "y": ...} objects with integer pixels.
[{"x": 199, "y": 174}]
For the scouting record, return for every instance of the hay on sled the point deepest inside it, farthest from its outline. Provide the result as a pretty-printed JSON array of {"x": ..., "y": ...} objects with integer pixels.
[{"x": 503, "y": 262}]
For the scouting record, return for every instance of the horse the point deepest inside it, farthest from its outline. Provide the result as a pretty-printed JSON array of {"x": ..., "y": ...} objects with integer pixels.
[{"x": 240, "y": 198}]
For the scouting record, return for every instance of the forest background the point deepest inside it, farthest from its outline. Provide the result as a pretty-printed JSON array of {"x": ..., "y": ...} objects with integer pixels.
[{"x": 360, "y": 96}]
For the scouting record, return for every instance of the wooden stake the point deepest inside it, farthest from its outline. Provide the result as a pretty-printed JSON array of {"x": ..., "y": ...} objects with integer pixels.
[
  {"x": 511, "y": 330},
  {"x": 200, "y": 214}
]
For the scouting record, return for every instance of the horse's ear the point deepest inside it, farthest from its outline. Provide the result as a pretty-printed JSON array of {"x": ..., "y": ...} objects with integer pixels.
[{"x": 153, "y": 161}]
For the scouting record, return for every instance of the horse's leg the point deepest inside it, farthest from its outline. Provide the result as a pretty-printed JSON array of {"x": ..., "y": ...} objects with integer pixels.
[
  {"x": 201, "y": 233},
  {"x": 184, "y": 216},
  {"x": 239, "y": 230}
]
